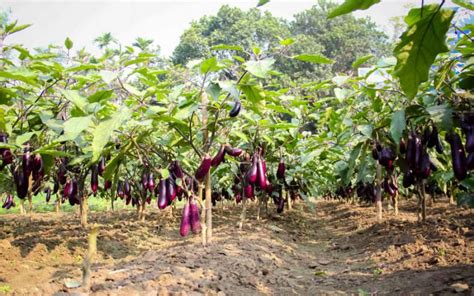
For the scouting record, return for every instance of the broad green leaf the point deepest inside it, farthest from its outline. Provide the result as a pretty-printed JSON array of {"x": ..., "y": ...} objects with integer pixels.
[
  {"x": 361, "y": 61},
  {"x": 420, "y": 44},
  {"x": 286, "y": 42},
  {"x": 313, "y": 58},
  {"x": 397, "y": 125},
  {"x": 100, "y": 95},
  {"x": 442, "y": 115},
  {"x": 209, "y": 65},
  {"x": 18, "y": 28},
  {"x": 20, "y": 75},
  {"x": 351, "y": 163},
  {"x": 68, "y": 43},
  {"x": 23, "y": 138},
  {"x": 262, "y": 2},
  {"x": 104, "y": 131},
  {"x": 81, "y": 68},
  {"x": 74, "y": 127},
  {"x": 350, "y": 5},
  {"x": 468, "y": 4},
  {"x": 74, "y": 97},
  {"x": 252, "y": 93},
  {"x": 260, "y": 68}
]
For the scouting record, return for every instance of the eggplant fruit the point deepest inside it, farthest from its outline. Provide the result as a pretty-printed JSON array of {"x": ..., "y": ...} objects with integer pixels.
[
  {"x": 203, "y": 168},
  {"x": 185, "y": 220},
  {"x": 162, "y": 195},
  {"x": 234, "y": 152},
  {"x": 235, "y": 109},
  {"x": 94, "y": 179},
  {"x": 458, "y": 156},
  {"x": 281, "y": 169},
  {"x": 252, "y": 173},
  {"x": 261, "y": 175},
  {"x": 217, "y": 160},
  {"x": 101, "y": 166},
  {"x": 195, "y": 221}
]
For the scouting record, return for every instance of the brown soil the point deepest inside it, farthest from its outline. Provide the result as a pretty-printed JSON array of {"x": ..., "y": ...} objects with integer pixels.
[{"x": 323, "y": 248}]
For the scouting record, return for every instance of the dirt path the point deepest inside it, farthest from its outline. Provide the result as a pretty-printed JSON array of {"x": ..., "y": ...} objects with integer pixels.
[{"x": 333, "y": 248}]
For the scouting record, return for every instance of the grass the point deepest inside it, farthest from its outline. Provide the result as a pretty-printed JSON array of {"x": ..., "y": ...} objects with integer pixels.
[{"x": 96, "y": 204}]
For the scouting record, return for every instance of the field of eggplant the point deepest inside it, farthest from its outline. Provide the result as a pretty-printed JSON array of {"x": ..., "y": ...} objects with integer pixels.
[{"x": 235, "y": 173}]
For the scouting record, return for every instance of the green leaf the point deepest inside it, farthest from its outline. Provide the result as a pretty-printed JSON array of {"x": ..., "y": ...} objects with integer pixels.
[
  {"x": 252, "y": 93},
  {"x": 165, "y": 173},
  {"x": 424, "y": 39},
  {"x": 286, "y": 42},
  {"x": 23, "y": 138},
  {"x": 397, "y": 125},
  {"x": 100, "y": 95},
  {"x": 74, "y": 97},
  {"x": 68, "y": 43},
  {"x": 103, "y": 132},
  {"x": 209, "y": 65},
  {"x": 351, "y": 163},
  {"x": 18, "y": 28},
  {"x": 465, "y": 3},
  {"x": 442, "y": 115},
  {"x": 260, "y": 68},
  {"x": 74, "y": 127},
  {"x": 313, "y": 58},
  {"x": 20, "y": 75},
  {"x": 262, "y": 2},
  {"x": 361, "y": 61},
  {"x": 350, "y": 5}
]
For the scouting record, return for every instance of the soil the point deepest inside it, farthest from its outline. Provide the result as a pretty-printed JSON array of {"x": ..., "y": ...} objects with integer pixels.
[{"x": 327, "y": 247}]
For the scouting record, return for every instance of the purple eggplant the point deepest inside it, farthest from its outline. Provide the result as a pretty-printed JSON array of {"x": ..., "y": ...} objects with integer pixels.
[
  {"x": 27, "y": 162},
  {"x": 281, "y": 169},
  {"x": 375, "y": 154},
  {"x": 470, "y": 139},
  {"x": 151, "y": 182},
  {"x": 127, "y": 190},
  {"x": 47, "y": 191},
  {"x": 216, "y": 161},
  {"x": 101, "y": 166},
  {"x": 204, "y": 168},
  {"x": 37, "y": 163},
  {"x": 7, "y": 157},
  {"x": 235, "y": 109},
  {"x": 94, "y": 179},
  {"x": 185, "y": 220},
  {"x": 281, "y": 205},
  {"x": 252, "y": 173},
  {"x": 249, "y": 192},
  {"x": 234, "y": 152},
  {"x": 170, "y": 189},
  {"x": 402, "y": 146},
  {"x": 107, "y": 184},
  {"x": 458, "y": 156},
  {"x": 120, "y": 191},
  {"x": 195, "y": 223},
  {"x": 177, "y": 170},
  {"x": 261, "y": 175},
  {"x": 162, "y": 195},
  {"x": 145, "y": 180},
  {"x": 21, "y": 183},
  {"x": 470, "y": 161}
]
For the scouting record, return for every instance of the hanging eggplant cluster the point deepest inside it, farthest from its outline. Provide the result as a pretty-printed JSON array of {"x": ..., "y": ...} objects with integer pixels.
[
  {"x": 190, "y": 218},
  {"x": 418, "y": 163},
  {"x": 167, "y": 189},
  {"x": 70, "y": 192},
  {"x": 366, "y": 192},
  {"x": 384, "y": 155},
  {"x": 390, "y": 185},
  {"x": 345, "y": 192},
  {"x": 256, "y": 176},
  {"x": 5, "y": 153}
]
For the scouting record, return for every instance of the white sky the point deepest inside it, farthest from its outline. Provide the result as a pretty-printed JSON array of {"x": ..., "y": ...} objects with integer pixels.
[{"x": 162, "y": 21}]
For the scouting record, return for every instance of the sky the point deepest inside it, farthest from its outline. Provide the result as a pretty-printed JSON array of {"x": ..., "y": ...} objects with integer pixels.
[{"x": 161, "y": 20}]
